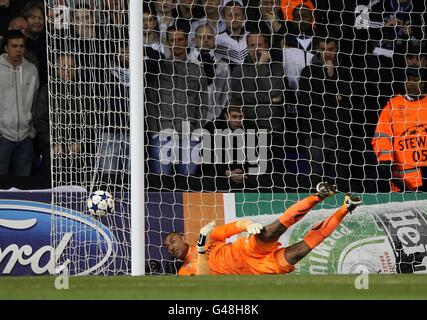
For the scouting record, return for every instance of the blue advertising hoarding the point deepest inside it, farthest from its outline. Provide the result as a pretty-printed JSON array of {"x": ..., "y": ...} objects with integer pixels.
[{"x": 37, "y": 238}]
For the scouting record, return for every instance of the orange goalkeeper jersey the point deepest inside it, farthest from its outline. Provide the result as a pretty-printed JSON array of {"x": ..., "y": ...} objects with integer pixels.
[
  {"x": 240, "y": 257},
  {"x": 401, "y": 137},
  {"x": 189, "y": 267}
]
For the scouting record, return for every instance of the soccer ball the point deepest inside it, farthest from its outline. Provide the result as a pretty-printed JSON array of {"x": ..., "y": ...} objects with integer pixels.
[{"x": 100, "y": 203}]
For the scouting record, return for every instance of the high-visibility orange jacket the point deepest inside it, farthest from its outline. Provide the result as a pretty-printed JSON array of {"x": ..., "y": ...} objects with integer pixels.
[
  {"x": 401, "y": 137},
  {"x": 288, "y": 7}
]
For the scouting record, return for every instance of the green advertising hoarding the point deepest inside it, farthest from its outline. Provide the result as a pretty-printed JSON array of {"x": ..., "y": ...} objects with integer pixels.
[{"x": 388, "y": 234}]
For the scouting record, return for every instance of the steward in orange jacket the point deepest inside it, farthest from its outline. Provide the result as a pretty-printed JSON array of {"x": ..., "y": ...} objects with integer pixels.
[{"x": 400, "y": 140}]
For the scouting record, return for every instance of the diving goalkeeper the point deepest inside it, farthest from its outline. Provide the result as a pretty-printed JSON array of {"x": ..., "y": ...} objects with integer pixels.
[{"x": 260, "y": 252}]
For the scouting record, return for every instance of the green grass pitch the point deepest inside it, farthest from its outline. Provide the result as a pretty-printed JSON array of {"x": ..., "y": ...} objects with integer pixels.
[{"x": 403, "y": 286}]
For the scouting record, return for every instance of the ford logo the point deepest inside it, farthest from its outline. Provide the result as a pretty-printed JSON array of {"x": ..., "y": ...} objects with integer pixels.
[{"x": 38, "y": 238}]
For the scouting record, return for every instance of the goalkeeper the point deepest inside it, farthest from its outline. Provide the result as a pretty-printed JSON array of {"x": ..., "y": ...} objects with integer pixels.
[{"x": 260, "y": 252}]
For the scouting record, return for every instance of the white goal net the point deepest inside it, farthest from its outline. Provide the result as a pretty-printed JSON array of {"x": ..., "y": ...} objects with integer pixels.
[
  {"x": 88, "y": 94},
  {"x": 242, "y": 97}
]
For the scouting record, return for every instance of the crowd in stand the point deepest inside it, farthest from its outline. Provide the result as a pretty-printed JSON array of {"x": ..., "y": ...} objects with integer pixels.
[
  {"x": 313, "y": 77},
  {"x": 251, "y": 95},
  {"x": 85, "y": 134}
]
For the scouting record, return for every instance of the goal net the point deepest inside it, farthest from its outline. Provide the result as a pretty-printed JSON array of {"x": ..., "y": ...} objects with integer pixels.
[
  {"x": 247, "y": 103},
  {"x": 88, "y": 94}
]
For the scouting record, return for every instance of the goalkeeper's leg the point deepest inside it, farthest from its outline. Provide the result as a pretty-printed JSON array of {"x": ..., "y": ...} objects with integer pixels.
[
  {"x": 322, "y": 230},
  {"x": 273, "y": 231}
]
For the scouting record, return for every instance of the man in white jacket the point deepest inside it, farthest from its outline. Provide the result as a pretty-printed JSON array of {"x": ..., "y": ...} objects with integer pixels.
[
  {"x": 216, "y": 70},
  {"x": 19, "y": 83}
]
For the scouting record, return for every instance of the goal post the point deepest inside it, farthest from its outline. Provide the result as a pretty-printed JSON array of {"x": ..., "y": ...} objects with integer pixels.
[
  {"x": 94, "y": 95},
  {"x": 137, "y": 137}
]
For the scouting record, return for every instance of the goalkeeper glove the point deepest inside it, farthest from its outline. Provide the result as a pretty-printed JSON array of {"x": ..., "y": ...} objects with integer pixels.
[
  {"x": 351, "y": 201},
  {"x": 251, "y": 227},
  {"x": 203, "y": 235},
  {"x": 254, "y": 228}
]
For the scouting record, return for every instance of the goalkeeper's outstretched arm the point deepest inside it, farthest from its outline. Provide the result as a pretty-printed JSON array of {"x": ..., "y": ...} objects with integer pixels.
[
  {"x": 222, "y": 233},
  {"x": 211, "y": 232}
]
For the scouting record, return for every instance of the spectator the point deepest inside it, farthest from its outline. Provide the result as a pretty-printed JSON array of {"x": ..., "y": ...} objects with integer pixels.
[
  {"x": 260, "y": 84},
  {"x": 166, "y": 13},
  {"x": 400, "y": 138},
  {"x": 114, "y": 148},
  {"x": 415, "y": 57},
  {"x": 84, "y": 27},
  {"x": 153, "y": 49},
  {"x": 416, "y": 60},
  {"x": 66, "y": 97},
  {"x": 94, "y": 52},
  {"x": 21, "y": 24},
  {"x": 231, "y": 44},
  {"x": 151, "y": 30},
  {"x": 270, "y": 15},
  {"x": 217, "y": 72},
  {"x": 297, "y": 44},
  {"x": 116, "y": 12},
  {"x": 9, "y": 9},
  {"x": 186, "y": 13},
  {"x": 153, "y": 53},
  {"x": 59, "y": 20},
  {"x": 323, "y": 111},
  {"x": 178, "y": 108},
  {"x": 393, "y": 25},
  {"x": 185, "y": 9},
  {"x": 117, "y": 20},
  {"x": 19, "y": 83},
  {"x": 399, "y": 20},
  {"x": 226, "y": 167},
  {"x": 296, "y": 54},
  {"x": 212, "y": 17},
  {"x": 36, "y": 37},
  {"x": 269, "y": 21}
]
